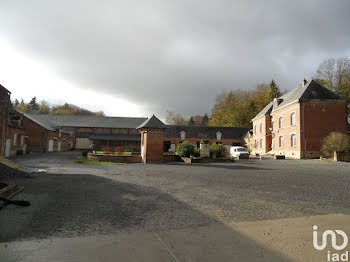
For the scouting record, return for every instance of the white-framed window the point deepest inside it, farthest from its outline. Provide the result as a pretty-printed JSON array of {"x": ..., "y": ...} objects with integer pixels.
[
  {"x": 255, "y": 129},
  {"x": 182, "y": 135},
  {"x": 280, "y": 121},
  {"x": 280, "y": 140},
  {"x": 22, "y": 140},
  {"x": 15, "y": 139},
  {"x": 293, "y": 120},
  {"x": 293, "y": 140},
  {"x": 261, "y": 128},
  {"x": 218, "y": 135},
  {"x": 273, "y": 125},
  {"x": 261, "y": 143},
  {"x": 255, "y": 144}
]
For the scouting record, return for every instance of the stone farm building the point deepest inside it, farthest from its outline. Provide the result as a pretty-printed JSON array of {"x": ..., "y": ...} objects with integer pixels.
[{"x": 296, "y": 123}]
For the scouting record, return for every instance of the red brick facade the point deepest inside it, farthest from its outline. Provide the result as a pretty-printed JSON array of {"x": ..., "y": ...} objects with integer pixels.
[
  {"x": 297, "y": 129},
  {"x": 40, "y": 139},
  {"x": 152, "y": 145},
  {"x": 4, "y": 113}
]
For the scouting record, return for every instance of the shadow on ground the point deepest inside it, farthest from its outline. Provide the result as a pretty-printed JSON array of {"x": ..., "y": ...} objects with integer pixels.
[{"x": 83, "y": 205}]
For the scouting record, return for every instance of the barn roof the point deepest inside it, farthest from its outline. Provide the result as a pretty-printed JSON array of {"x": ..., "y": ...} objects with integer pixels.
[{"x": 56, "y": 121}]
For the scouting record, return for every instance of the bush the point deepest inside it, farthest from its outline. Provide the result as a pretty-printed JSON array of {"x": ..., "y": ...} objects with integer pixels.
[
  {"x": 84, "y": 153},
  {"x": 218, "y": 151},
  {"x": 335, "y": 142},
  {"x": 185, "y": 149},
  {"x": 120, "y": 149},
  {"x": 19, "y": 152},
  {"x": 108, "y": 150},
  {"x": 197, "y": 152}
]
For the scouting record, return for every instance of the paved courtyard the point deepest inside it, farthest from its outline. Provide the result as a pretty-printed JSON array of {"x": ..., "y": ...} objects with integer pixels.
[{"x": 249, "y": 210}]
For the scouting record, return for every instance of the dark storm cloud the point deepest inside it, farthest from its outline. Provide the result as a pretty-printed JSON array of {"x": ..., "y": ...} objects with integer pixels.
[{"x": 179, "y": 54}]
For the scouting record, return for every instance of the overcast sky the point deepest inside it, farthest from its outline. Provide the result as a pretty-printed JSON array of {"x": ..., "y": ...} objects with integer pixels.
[{"x": 136, "y": 58}]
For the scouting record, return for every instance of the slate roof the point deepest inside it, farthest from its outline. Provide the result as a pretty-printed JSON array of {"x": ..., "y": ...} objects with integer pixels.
[
  {"x": 153, "y": 122},
  {"x": 312, "y": 90},
  {"x": 206, "y": 132},
  {"x": 266, "y": 111},
  {"x": 56, "y": 121},
  {"x": 116, "y": 137},
  {"x": 40, "y": 121}
]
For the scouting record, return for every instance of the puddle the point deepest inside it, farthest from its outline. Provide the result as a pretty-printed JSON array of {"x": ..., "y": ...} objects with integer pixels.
[{"x": 35, "y": 170}]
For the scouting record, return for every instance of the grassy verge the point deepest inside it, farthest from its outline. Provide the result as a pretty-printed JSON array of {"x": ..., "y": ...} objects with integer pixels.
[
  {"x": 82, "y": 160},
  {"x": 115, "y": 153}
]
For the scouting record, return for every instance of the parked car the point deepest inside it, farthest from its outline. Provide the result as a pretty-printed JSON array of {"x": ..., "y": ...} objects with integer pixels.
[{"x": 239, "y": 152}]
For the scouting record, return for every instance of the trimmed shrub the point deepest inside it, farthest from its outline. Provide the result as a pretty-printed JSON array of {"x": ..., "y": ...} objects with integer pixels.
[
  {"x": 197, "y": 152},
  {"x": 218, "y": 151},
  {"x": 84, "y": 154},
  {"x": 335, "y": 142},
  {"x": 185, "y": 149}
]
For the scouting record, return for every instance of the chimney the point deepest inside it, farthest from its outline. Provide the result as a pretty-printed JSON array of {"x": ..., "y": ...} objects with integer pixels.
[{"x": 303, "y": 83}]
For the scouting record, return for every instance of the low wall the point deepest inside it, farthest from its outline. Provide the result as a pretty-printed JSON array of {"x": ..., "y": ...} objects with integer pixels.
[
  {"x": 170, "y": 158},
  {"x": 115, "y": 158},
  {"x": 189, "y": 160}
]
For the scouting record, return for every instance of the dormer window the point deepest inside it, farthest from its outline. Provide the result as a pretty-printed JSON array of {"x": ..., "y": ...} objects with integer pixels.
[
  {"x": 218, "y": 135},
  {"x": 182, "y": 135}
]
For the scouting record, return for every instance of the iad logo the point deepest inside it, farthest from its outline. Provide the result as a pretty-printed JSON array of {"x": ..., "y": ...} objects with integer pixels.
[{"x": 332, "y": 256}]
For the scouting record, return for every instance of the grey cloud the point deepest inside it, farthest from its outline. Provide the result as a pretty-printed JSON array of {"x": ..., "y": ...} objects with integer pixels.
[{"x": 179, "y": 54}]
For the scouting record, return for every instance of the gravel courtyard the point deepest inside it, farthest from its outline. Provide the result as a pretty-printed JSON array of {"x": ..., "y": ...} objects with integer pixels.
[
  {"x": 86, "y": 199},
  {"x": 81, "y": 200}
]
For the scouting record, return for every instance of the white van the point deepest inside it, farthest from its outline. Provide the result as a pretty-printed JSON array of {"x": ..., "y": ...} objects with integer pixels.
[{"x": 239, "y": 152}]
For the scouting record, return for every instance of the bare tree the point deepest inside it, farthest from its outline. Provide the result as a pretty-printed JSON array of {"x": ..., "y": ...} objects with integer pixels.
[{"x": 334, "y": 73}]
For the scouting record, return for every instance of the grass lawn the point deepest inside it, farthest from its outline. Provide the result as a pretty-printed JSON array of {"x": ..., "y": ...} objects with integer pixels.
[
  {"x": 115, "y": 153},
  {"x": 82, "y": 160}
]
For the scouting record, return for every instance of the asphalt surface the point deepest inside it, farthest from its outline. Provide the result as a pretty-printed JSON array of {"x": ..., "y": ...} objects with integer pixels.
[{"x": 80, "y": 200}]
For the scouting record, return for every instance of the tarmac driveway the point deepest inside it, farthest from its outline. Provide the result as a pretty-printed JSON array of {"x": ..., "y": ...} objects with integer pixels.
[{"x": 198, "y": 212}]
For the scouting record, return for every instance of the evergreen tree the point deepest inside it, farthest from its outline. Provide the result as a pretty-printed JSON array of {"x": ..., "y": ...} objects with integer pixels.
[
  {"x": 191, "y": 122},
  {"x": 205, "y": 120},
  {"x": 33, "y": 105},
  {"x": 274, "y": 90},
  {"x": 16, "y": 102}
]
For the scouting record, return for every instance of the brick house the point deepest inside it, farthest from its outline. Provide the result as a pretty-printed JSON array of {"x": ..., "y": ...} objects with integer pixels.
[
  {"x": 4, "y": 115},
  {"x": 296, "y": 123}
]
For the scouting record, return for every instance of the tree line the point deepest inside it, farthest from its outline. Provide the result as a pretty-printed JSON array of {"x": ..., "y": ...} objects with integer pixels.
[
  {"x": 238, "y": 107},
  {"x": 43, "y": 107}
]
